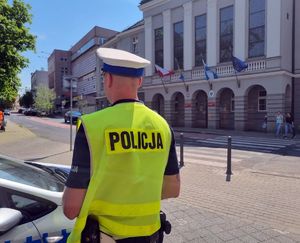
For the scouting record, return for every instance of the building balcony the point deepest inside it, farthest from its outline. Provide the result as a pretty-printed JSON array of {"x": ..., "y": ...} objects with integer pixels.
[{"x": 197, "y": 73}]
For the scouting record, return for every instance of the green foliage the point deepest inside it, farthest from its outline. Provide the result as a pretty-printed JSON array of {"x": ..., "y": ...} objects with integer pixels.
[
  {"x": 26, "y": 100},
  {"x": 15, "y": 38},
  {"x": 44, "y": 100}
]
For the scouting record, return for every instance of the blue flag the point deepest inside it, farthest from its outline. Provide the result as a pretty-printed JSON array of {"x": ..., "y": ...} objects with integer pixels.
[
  {"x": 209, "y": 74},
  {"x": 238, "y": 64},
  {"x": 181, "y": 77}
]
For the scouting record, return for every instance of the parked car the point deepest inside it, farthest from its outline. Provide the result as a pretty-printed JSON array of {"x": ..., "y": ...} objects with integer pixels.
[
  {"x": 30, "y": 112},
  {"x": 31, "y": 202},
  {"x": 21, "y": 110},
  {"x": 42, "y": 113},
  {"x": 7, "y": 112},
  {"x": 75, "y": 116}
]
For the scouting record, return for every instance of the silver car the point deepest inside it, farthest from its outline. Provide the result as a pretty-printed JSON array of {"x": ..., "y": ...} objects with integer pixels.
[{"x": 31, "y": 202}]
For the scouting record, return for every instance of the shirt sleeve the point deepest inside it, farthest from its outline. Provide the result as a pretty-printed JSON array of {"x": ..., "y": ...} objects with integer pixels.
[
  {"x": 79, "y": 176},
  {"x": 172, "y": 167}
]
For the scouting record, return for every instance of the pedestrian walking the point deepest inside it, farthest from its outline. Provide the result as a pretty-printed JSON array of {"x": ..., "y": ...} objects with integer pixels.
[
  {"x": 278, "y": 123},
  {"x": 265, "y": 123},
  {"x": 289, "y": 125},
  {"x": 124, "y": 160}
]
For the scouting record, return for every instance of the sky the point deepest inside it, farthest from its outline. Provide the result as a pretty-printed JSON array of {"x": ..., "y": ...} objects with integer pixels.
[{"x": 59, "y": 24}]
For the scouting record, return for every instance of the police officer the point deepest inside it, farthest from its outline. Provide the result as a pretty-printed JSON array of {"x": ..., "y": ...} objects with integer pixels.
[{"x": 124, "y": 159}]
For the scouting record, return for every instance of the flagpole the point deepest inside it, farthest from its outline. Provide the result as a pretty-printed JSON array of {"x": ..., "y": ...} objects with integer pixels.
[
  {"x": 163, "y": 83},
  {"x": 184, "y": 83},
  {"x": 178, "y": 67},
  {"x": 186, "y": 86}
]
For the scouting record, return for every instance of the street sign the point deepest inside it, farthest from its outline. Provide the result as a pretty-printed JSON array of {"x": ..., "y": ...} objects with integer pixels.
[{"x": 67, "y": 83}]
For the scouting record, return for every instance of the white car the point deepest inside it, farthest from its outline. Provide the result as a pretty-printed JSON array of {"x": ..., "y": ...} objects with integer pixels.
[{"x": 31, "y": 202}]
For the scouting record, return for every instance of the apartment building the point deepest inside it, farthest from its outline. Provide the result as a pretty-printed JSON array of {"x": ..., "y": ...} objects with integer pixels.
[
  {"x": 179, "y": 34},
  {"x": 81, "y": 63},
  {"x": 59, "y": 65},
  {"x": 131, "y": 39},
  {"x": 39, "y": 77},
  {"x": 86, "y": 66}
]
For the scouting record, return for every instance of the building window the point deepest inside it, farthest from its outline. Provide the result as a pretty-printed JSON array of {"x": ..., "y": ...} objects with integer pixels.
[
  {"x": 226, "y": 33},
  {"x": 159, "y": 46},
  {"x": 178, "y": 45},
  {"x": 200, "y": 39},
  {"x": 256, "y": 28},
  {"x": 135, "y": 42},
  {"x": 262, "y": 100},
  {"x": 102, "y": 40}
]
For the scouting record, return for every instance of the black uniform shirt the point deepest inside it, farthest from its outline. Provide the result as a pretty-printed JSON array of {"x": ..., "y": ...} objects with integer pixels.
[{"x": 79, "y": 176}]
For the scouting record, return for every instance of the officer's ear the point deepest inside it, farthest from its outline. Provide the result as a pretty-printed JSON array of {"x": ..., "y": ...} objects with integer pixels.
[
  {"x": 140, "y": 81},
  {"x": 110, "y": 79}
]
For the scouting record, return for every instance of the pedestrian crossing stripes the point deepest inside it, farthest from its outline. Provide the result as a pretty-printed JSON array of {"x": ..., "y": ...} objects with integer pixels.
[
  {"x": 252, "y": 143},
  {"x": 216, "y": 157}
]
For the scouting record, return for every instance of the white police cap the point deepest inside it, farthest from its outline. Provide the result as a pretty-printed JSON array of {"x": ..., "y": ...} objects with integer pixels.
[{"x": 122, "y": 62}]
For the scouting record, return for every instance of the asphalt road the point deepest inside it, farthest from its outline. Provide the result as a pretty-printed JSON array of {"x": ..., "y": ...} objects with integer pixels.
[
  {"x": 53, "y": 129},
  {"x": 56, "y": 130}
]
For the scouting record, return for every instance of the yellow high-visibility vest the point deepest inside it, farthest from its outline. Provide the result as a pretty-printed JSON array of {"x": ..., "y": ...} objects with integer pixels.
[{"x": 129, "y": 147}]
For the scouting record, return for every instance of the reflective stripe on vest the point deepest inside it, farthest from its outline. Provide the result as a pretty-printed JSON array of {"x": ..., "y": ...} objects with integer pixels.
[{"x": 130, "y": 210}]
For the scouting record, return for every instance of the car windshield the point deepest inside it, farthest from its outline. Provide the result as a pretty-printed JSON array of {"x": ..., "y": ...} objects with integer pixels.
[{"x": 28, "y": 175}]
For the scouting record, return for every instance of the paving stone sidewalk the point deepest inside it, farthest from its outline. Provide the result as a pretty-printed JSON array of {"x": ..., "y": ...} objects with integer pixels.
[{"x": 251, "y": 208}]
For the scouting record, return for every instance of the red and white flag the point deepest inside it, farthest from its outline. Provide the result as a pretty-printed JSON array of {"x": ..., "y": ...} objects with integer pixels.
[{"x": 163, "y": 71}]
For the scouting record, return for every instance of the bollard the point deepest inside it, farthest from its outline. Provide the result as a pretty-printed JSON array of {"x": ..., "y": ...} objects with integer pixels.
[
  {"x": 181, "y": 163},
  {"x": 228, "y": 171}
]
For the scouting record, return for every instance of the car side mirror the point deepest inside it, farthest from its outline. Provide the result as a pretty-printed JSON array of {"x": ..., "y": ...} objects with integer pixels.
[{"x": 9, "y": 218}]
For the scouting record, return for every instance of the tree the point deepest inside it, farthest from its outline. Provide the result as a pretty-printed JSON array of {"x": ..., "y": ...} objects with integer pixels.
[
  {"x": 44, "y": 100},
  {"x": 26, "y": 100},
  {"x": 15, "y": 38}
]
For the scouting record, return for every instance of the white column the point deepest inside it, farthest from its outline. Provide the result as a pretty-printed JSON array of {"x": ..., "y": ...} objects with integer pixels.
[
  {"x": 212, "y": 32},
  {"x": 273, "y": 27},
  {"x": 167, "y": 30},
  {"x": 149, "y": 45},
  {"x": 188, "y": 36},
  {"x": 240, "y": 31}
]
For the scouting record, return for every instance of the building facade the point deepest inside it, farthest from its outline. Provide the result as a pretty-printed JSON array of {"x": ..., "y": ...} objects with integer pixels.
[
  {"x": 59, "y": 65},
  {"x": 182, "y": 34},
  {"x": 39, "y": 77},
  {"x": 132, "y": 40},
  {"x": 82, "y": 65},
  {"x": 86, "y": 67},
  {"x": 296, "y": 64}
]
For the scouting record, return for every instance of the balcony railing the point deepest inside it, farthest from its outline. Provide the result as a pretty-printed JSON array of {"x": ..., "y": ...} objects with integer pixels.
[{"x": 198, "y": 73}]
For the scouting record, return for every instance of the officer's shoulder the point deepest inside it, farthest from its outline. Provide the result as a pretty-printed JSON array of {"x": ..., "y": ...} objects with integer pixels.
[{"x": 95, "y": 114}]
